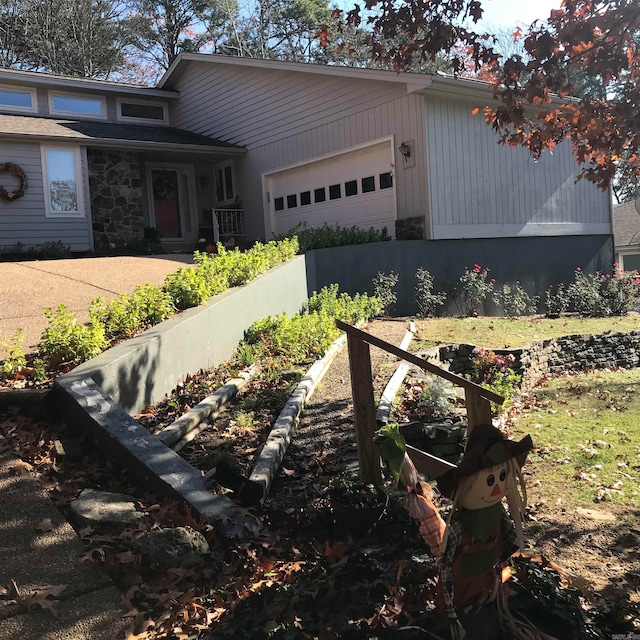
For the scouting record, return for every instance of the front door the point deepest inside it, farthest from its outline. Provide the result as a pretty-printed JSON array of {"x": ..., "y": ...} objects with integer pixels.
[{"x": 171, "y": 196}]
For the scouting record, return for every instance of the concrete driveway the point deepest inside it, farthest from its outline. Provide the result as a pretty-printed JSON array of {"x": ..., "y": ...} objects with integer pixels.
[{"x": 28, "y": 288}]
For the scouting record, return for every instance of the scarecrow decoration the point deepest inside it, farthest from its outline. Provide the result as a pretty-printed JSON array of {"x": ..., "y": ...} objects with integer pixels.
[{"x": 480, "y": 535}]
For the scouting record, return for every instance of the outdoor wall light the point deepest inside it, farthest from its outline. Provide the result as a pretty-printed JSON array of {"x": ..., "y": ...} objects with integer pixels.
[{"x": 405, "y": 150}]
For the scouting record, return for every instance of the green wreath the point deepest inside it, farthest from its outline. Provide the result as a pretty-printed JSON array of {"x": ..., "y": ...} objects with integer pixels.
[{"x": 16, "y": 172}]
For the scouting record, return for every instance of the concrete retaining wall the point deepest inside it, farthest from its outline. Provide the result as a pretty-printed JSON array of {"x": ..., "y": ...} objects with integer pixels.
[
  {"x": 534, "y": 262},
  {"x": 141, "y": 371}
]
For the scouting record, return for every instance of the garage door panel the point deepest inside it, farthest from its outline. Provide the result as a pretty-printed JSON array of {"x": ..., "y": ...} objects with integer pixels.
[{"x": 370, "y": 165}]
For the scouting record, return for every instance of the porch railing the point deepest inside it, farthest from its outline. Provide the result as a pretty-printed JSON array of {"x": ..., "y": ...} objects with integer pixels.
[
  {"x": 228, "y": 221},
  {"x": 478, "y": 403}
]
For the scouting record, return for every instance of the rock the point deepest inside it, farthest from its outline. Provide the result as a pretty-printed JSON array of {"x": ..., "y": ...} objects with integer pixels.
[
  {"x": 596, "y": 514},
  {"x": 170, "y": 548},
  {"x": 101, "y": 507}
]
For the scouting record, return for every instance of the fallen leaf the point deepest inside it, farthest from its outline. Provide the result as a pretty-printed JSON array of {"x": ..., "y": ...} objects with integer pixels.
[{"x": 45, "y": 526}]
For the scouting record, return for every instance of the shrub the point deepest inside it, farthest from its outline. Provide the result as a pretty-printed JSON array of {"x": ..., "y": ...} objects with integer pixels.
[
  {"x": 514, "y": 300},
  {"x": 436, "y": 396},
  {"x": 188, "y": 287},
  {"x": 15, "y": 360},
  {"x": 329, "y": 236},
  {"x": 383, "y": 288},
  {"x": 473, "y": 290},
  {"x": 556, "y": 301},
  {"x": 620, "y": 291},
  {"x": 426, "y": 300},
  {"x": 64, "y": 338},
  {"x": 584, "y": 294},
  {"x": 123, "y": 316},
  {"x": 495, "y": 372},
  {"x": 598, "y": 294},
  {"x": 341, "y": 306}
]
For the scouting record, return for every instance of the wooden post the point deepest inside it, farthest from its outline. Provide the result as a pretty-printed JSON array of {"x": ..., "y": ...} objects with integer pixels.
[
  {"x": 478, "y": 410},
  {"x": 364, "y": 410}
]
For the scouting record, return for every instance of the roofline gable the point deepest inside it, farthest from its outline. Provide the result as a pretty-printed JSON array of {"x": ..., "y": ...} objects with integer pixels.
[
  {"x": 415, "y": 81},
  {"x": 37, "y": 78}
]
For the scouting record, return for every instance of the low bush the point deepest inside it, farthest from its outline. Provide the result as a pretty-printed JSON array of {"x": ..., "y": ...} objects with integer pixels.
[
  {"x": 333, "y": 236},
  {"x": 383, "y": 288},
  {"x": 15, "y": 360},
  {"x": 69, "y": 341},
  {"x": 597, "y": 294},
  {"x": 556, "y": 301},
  {"x": 514, "y": 300},
  {"x": 472, "y": 290},
  {"x": 424, "y": 297},
  {"x": 436, "y": 397},
  {"x": 125, "y": 315},
  {"x": 306, "y": 336},
  {"x": 495, "y": 372}
]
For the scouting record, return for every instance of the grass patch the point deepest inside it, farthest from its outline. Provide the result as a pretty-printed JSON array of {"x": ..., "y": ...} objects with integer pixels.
[
  {"x": 586, "y": 429},
  {"x": 502, "y": 333}
]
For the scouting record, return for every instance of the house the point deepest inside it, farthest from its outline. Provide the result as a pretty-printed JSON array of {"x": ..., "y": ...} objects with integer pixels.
[
  {"x": 626, "y": 234},
  {"x": 271, "y": 145}
]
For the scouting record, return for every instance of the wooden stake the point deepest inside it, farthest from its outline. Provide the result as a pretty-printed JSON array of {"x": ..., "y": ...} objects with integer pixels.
[
  {"x": 364, "y": 409},
  {"x": 478, "y": 410}
]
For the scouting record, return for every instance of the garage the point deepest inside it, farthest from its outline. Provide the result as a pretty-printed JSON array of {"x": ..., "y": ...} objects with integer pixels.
[{"x": 353, "y": 188}]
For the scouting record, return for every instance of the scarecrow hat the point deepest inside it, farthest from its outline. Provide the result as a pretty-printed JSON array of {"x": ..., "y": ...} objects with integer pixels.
[{"x": 486, "y": 447}]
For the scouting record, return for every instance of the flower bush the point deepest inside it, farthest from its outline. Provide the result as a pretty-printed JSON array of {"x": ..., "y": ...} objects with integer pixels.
[
  {"x": 597, "y": 294},
  {"x": 495, "y": 372},
  {"x": 473, "y": 290},
  {"x": 426, "y": 300},
  {"x": 514, "y": 300},
  {"x": 556, "y": 301}
]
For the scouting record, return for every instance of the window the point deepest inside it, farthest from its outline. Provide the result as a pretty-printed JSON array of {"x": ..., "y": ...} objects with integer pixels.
[
  {"x": 224, "y": 183},
  {"x": 67, "y": 104},
  {"x": 155, "y": 112},
  {"x": 278, "y": 204},
  {"x": 305, "y": 198},
  {"x": 351, "y": 188},
  {"x": 386, "y": 180},
  {"x": 335, "y": 192},
  {"x": 12, "y": 99},
  {"x": 292, "y": 201},
  {"x": 319, "y": 195},
  {"x": 62, "y": 181},
  {"x": 368, "y": 184}
]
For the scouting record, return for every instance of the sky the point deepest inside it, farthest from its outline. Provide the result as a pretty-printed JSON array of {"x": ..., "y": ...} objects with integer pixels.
[{"x": 510, "y": 13}]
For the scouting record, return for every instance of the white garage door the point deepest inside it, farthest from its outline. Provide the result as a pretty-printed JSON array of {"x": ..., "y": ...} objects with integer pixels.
[{"x": 353, "y": 188}]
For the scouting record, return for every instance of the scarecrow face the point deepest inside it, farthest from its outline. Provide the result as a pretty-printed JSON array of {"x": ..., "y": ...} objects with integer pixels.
[{"x": 485, "y": 488}]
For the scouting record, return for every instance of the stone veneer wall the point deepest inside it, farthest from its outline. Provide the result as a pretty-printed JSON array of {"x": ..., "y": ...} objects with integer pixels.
[
  {"x": 115, "y": 185},
  {"x": 555, "y": 355},
  {"x": 410, "y": 228}
]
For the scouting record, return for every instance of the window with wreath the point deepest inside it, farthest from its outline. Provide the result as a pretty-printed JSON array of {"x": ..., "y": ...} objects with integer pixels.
[{"x": 62, "y": 181}]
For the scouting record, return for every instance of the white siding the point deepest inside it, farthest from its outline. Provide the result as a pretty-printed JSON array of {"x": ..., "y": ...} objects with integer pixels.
[
  {"x": 287, "y": 117},
  {"x": 481, "y": 189},
  {"x": 24, "y": 220}
]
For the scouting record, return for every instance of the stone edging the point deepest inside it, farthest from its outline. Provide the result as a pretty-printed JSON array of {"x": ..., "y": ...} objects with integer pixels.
[{"x": 268, "y": 463}]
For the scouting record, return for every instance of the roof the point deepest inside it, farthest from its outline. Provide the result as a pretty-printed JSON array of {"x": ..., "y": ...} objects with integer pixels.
[
  {"x": 416, "y": 80},
  {"x": 626, "y": 225},
  {"x": 49, "y": 79},
  {"x": 110, "y": 134}
]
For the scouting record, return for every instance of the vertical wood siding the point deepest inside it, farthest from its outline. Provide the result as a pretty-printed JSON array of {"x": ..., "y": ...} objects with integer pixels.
[
  {"x": 23, "y": 220},
  {"x": 481, "y": 189},
  {"x": 287, "y": 117}
]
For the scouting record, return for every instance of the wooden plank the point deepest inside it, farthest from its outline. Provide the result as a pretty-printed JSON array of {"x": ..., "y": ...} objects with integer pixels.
[
  {"x": 428, "y": 464},
  {"x": 478, "y": 410},
  {"x": 364, "y": 409},
  {"x": 420, "y": 362}
]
